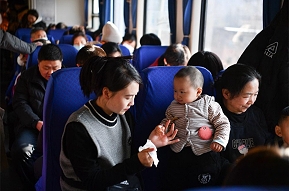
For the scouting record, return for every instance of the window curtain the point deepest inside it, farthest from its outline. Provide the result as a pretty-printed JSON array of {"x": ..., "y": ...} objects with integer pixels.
[
  {"x": 104, "y": 12},
  {"x": 86, "y": 12},
  {"x": 270, "y": 10},
  {"x": 134, "y": 15},
  {"x": 130, "y": 11},
  {"x": 187, "y": 15},
  {"x": 172, "y": 19},
  {"x": 126, "y": 14}
]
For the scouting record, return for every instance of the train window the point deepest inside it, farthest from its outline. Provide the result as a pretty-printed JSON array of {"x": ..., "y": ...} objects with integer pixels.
[
  {"x": 157, "y": 19},
  {"x": 230, "y": 26},
  {"x": 93, "y": 14}
]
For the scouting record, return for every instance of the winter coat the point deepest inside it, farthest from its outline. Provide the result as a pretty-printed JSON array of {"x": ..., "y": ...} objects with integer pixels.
[
  {"x": 29, "y": 97},
  {"x": 14, "y": 44}
]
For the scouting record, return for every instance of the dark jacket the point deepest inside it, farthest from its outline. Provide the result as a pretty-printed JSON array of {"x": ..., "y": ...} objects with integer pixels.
[
  {"x": 14, "y": 44},
  {"x": 268, "y": 53},
  {"x": 29, "y": 97},
  {"x": 39, "y": 23}
]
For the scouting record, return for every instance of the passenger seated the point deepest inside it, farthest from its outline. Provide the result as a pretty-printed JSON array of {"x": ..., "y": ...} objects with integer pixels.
[
  {"x": 237, "y": 91},
  {"x": 88, "y": 51},
  {"x": 207, "y": 60},
  {"x": 75, "y": 29},
  {"x": 32, "y": 19},
  {"x": 60, "y": 25},
  {"x": 262, "y": 166},
  {"x": 28, "y": 108},
  {"x": 37, "y": 35},
  {"x": 175, "y": 55},
  {"x": 112, "y": 49},
  {"x": 79, "y": 40},
  {"x": 150, "y": 39},
  {"x": 282, "y": 128},
  {"x": 110, "y": 33},
  {"x": 129, "y": 41},
  {"x": 203, "y": 130}
]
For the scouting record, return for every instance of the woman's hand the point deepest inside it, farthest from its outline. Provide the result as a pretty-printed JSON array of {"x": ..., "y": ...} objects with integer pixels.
[
  {"x": 161, "y": 137},
  {"x": 145, "y": 158}
]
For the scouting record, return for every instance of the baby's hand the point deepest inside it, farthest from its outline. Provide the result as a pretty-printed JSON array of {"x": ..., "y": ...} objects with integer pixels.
[{"x": 216, "y": 147}]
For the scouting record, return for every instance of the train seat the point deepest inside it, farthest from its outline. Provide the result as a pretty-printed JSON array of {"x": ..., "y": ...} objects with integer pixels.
[
  {"x": 68, "y": 51},
  {"x": 22, "y": 31},
  {"x": 145, "y": 55},
  {"x": 63, "y": 96},
  {"x": 124, "y": 50},
  {"x": 56, "y": 33},
  {"x": 150, "y": 105},
  {"x": 67, "y": 39}
]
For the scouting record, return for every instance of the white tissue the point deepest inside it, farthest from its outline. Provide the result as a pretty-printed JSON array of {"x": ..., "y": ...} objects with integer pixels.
[{"x": 153, "y": 154}]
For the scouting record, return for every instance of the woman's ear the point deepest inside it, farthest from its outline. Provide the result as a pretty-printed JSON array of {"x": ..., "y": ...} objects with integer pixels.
[
  {"x": 106, "y": 93},
  {"x": 278, "y": 131},
  {"x": 226, "y": 94}
]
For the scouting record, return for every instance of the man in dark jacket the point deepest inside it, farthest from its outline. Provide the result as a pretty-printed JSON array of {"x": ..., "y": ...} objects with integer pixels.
[{"x": 28, "y": 106}]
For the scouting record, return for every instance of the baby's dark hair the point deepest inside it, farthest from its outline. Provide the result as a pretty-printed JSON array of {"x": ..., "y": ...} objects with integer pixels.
[
  {"x": 235, "y": 77},
  {"x": 115, "y": 73},
  {"x": 50, "y": 52},
  {"x": 196, "y": 77},
  {"x": 284, "y": 115}
]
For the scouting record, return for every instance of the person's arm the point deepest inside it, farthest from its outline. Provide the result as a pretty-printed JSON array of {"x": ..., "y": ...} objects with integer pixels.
[
  {"x": 14, "y": 44},
  {"x": 80, "y": 149},
  {"x": 21, "y": 103},
  {"x": 221, "y": 124}
]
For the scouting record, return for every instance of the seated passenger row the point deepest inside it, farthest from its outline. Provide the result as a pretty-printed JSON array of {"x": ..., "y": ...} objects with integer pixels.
[
  {"x": 163, "y": 79},
  {"x": 149, "y": 109}
]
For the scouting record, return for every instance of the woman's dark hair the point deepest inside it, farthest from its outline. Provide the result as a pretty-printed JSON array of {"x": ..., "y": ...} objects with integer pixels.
[
  {"x": 50, "y": 52},
  {"x": 75, "y": 35},
  {"x": 129, "y": 37},
  {"x": 110, "y": 48},
  {"x": 235, "y": 78},
  {"x": 33, "y": 12},
  {"x": 150, "y": 39},
  {"x": 208, "y": 60},
  {"x": 60, "y": 25},
  {"x": 113, "y": 73}
]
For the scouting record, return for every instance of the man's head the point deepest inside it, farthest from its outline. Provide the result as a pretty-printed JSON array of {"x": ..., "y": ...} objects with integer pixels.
[
  {"x": 49, "y": 60},
  {"x": 38, "y": 33}
]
